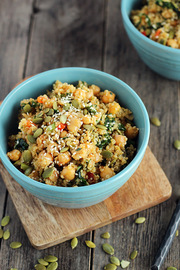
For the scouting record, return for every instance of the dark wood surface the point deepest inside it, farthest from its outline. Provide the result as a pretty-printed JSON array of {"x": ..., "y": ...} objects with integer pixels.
[{"x": 37, "y": 35}]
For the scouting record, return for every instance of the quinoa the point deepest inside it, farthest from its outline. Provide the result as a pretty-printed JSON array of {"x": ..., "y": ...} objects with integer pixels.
[
  {"x": 159, "y": 20},
  {"x": 73, "y": 136}
]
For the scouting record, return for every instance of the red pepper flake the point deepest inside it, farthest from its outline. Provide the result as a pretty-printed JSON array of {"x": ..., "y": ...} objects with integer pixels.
[
  {"x": 144, "y": 33},
  {"x": 61, "y": 126},
  {"x": 91, "y": 178},
  {"x": 157, "y": 33}
]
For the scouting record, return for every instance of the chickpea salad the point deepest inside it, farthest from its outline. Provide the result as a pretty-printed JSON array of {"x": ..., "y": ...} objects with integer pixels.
[
  {"x": 73, "y": 136},
  {"x": 160, "y": 21}
]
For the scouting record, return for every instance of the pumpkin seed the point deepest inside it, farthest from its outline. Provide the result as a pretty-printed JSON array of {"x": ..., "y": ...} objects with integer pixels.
[
  {"x": 37, "y": 120},
  {"x": 6, "y": 234},
  {"x": 27, "y": 156},
  {"x": 43, "y": 262},
  {"x": 101, "y": 127},
  {"x": 46, "y": 110},
  {"x": 52, "y": 266},
  {"x": 64, "y": 149},
  {"x": 1, "y": 233},
  {"x": 115, "y": 260},
  {"x": 74, "y": 242},
  {"x": 177, "y": 233},
  {"x": 13, "y": 269},
  {"x": 106, "y": 154},
  {"x": 140, "y": 220},
  {"x": 24, "y": 166},
  {"x": 15, "y": 245},
  {"x": 90, "y": 244},
  {"x": 31, "y": 139},
  {"x": 38, "y": 132},
  {"x": 63, "y": 118},
  {"x": 108, "y": 248},
  {"x": 47, "y": 119},
  {"x": 66, "y": 107},
  {"x": 133, "y": 254},
  {"x": 85, "y": 111},
  {"x": 171, "y": 268},
  {"x": 5, "y": 221},
  {"x": 51, "y": 112},
  {"x": 155, "y": 121},
  {"x": 88, "y": 127},
  {"x": 40, "y": 114},
  {"x": 124, "y": 264},
  {"x": 28, "y": 171},
  {"x": 110, "y": 266},
  {"x": 75, "y": 103},
  {"x": 51, "y": 127},
  {"x": 48, "y": 172},
  {"x": 50, "y": 258},
  {"x": 177, "y": 144},
  {"x": 55, "y": 105},
  {"x": 27, "y": 108},
  {"x": 39, "y": 267},
  {"x": 105, "y": 235}
]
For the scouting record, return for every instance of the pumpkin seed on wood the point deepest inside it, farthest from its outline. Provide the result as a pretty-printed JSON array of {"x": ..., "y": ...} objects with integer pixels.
[
  {"x": 6, "y": 234},
  {"x": 47, "y": 119},
  {"x": 177, "y": 233},
  {"x": 106, "y": 154},
  {"x": 48, "y": 172},
  {"x": 31, "y": 139},
  {"x": 52, "y": 266},
  {"x": 133, "y": 254},
  {"x": 28, "y": 171},
  {"x": 74, "y": 242},
  {"x": 43, "y": 262},
  {"x": 37, "y": 120},
  {"x": 27, "y": 108},
  {"x": 115, "y": 260},
  {"x": 1, "y": 233},
  {"x": 38, "y": 132},
  {"x": 50, "y": 258},
  {"x": 105, "y": 235},
  {"x": 177, "y": 144},
  {"x": 140, "y": 220},
  {"x": 75, "y": 103},
  {"x": 27, "y": 156},
  {"x": 171, "y": 268},
  {"x": 55, "y": 105},
  {"x": 101, "y": 127},
  {"x": 13, "y": 269},
  {"x": 5, "y": 221},
  {"x": 40, "y": 267},
  {"x": 155, "y": 121},
  {"x": 124, "y": 264},
  {"x": 90, "y": 244},
  {"x": 15, "y": 245},
  {"x": 108, "y": 248},
  {"x": 110, "y": 266},
  {"x": 63, "y": 118}
]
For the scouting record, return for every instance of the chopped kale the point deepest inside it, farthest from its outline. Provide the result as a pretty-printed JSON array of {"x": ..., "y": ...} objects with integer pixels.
[
  {"x": 109, "y": 122},
  {"x": 21, "y": 144},
  {"x": 121, "y": 127},
  {"x": 106, "y": 139}
]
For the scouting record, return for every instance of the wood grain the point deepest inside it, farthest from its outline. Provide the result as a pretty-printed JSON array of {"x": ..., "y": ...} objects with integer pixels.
[{"x": 48, "y": 225}]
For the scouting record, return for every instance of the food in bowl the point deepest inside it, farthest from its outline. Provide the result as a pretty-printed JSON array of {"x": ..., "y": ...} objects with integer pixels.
[
  {"x": 73, "y": 136},
  {"x": 159, "y": 20}
]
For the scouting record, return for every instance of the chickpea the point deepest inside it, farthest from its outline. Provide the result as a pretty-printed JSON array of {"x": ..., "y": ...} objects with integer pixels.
[
  {"x": 89, "y": 93},
  {"x": 80, "y": 94},
  {"x": 68, "y": 173},
  {"x": 108, "y": 96},
  {"x": 95, "y": 89},
  {"x": 131, "y": 132},
  {"x": 14, "y": 155},
  {"x": 74, "y": 124},
  {"x": 114, "y": 107},
  {"x": 120, "y": 140},
  {"x": 86, "y": 119},
  {"x": 44, "y": 160},
  {"x": 106, "y": 172},
  {"x": 64, "y": 158},
  {"x": 54, "y": 176},
  {"x": 52, "y": 148}
]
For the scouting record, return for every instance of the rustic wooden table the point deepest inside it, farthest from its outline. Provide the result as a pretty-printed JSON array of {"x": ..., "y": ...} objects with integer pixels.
[{"x": 37, "y": 35}]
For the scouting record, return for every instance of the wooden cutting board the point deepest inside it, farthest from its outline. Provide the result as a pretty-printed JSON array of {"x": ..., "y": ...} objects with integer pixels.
[{"x": 48, "y": 225}]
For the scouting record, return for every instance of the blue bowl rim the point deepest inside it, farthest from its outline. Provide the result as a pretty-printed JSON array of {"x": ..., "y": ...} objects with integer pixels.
[
  {"x": 105, "y": 183},
  {"x": 139, "y": 35}
]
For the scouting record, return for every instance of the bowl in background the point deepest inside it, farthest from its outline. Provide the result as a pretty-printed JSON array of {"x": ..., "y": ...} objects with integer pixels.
[
  {"x": 72, "y": 197},
  {"x": 160, "y": 58}
]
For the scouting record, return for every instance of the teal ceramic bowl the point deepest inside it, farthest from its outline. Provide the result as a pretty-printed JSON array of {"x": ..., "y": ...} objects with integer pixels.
[
  {"x": 160, "y": 58},
  {"x": 72, "y": 197}
]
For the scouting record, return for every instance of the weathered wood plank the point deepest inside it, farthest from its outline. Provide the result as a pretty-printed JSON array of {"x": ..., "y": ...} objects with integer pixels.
[{"x": 161, "y": 99}]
